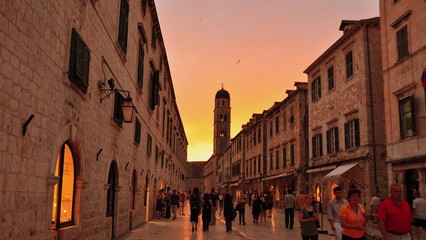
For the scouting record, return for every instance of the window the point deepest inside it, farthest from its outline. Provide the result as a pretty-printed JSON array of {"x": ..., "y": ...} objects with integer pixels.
[
  {"x": 133, "y": 188},
  {"x": 156, "y": 154},
  {"x": 271, "y": 160},
  {"x": 271, "y": 127},
  {"x": 291, "y": 120},
  {"x": 332, "y": 140},
  {"x": 277, "y": 124},
  {"x": 259, "y": 139},
  {"x": 317, "y": 146},
  {"x": 149, "y": 145},
  {"x": 153, "y": 93},
  {"x": 407, "y": 117},
  {"x": 277, "y": 159},
  {"x": 258, "y": 163},
  {"x": 137, "y": 131},
  {"x": 402, "y": 42},
  {"x": 140, "y": 65},
  {"x": 154, "y": 37},
  {"x": 78, "y": 71},
  {"x": 284, "y": 156},
  {"x": 118, "y": 113},
  {"x": 330, "y": 76},
  {"x": 254, "y": 137},
  {"x": 143, "y": 3},
  {"x": 316, "y": 89},
  {"x": 352, "y": 138},
  {"x": 123, "y": 25},
  {"x": 349, "y": 65},
  {"x": 63, "y": 193},
  {"x": 284, "y": 120},
  {"x": 254, "y": 165},
  {"x": 292, "y": 154}
]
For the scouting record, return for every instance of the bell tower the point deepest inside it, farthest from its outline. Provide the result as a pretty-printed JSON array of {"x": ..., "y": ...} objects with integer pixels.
[{"x": 222, "y": 121}]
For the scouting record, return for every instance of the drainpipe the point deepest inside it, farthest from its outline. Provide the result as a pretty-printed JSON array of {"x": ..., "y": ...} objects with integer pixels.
[{"x": 371, "y": 109}]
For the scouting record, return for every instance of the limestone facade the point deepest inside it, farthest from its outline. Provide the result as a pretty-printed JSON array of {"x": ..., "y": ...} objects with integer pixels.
[
  {"x": 78, "y": 171},
  {"x": 404, "y": 60},
  {"x": 346, "y": 114}
]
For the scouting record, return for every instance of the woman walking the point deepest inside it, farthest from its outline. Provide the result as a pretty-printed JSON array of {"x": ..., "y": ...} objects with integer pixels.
[
  {"x": 228, "y": 208},
  {"x": 206, "y": 209},
  {"x": 308, "y": 218},
  {"x": 194, "y": 203},
  {"x": 256, "y": 207},
  {"x": 159, "y": 204},
  {"x": 264, "y": 207},
  {"x": 353, "y": 217},
  {"x": 241, "y": 208}
]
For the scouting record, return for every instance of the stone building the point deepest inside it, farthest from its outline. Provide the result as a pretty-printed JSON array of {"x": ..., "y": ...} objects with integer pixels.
[
  {"x": 346, "y": 114},
  {"x": 74, "y": 164},
  {"x": 285, "y": 143},
  {"x": 404, "y": 60}
]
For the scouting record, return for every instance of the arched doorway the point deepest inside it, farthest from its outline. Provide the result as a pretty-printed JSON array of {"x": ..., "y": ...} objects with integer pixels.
[
  {"x": 111, "y": 195},
  {"x": 411, "y": 184},
  {"x": 64, "y": 190}
]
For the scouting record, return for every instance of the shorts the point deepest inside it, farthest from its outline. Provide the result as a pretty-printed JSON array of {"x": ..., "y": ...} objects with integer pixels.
[{"x": 419, "y": 222}]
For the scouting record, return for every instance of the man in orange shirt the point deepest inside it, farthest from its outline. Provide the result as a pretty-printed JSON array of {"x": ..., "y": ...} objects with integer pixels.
[{"x": 395, "y": 216}]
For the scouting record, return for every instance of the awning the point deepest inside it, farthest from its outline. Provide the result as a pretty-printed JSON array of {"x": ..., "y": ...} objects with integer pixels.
[
  {"x": 224, "y": 185},
  {"x": 341, "y": 169},
  {"x": 279, "y": 175},
  {"x": 320, "y": 169},
  {"x": 235, "y": 184}
]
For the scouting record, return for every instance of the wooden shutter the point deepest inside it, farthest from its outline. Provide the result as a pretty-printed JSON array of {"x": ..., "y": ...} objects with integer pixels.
[
  {"x": 346, "y": 135},
  {"x": 319, "y": 87},
  {"x": 153, "y": 98},
  {"x": 336, "y": 138},
  {"x": 413, "y": 115},
  {"x": 140, "y": 64},
  {"x": 314, "y": 154},
  {"x": 137, "y": 131},
  {"x": 320, "y": 144},
  {"x": 357, "y": 133},
  {"x": 328, "y": 141},
  {"x": 118, "y": 113},
  {"x": 123, "y": 25},
  {"x": 79, "y": 64}
]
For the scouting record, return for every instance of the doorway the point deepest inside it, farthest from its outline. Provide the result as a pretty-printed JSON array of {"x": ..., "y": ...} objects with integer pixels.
[
  {"x": 111, "y": 196},
  {"x": 411, "y": 184}
]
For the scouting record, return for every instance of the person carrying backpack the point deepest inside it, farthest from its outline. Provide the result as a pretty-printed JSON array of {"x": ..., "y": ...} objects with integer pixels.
[{"x": 207, "y": 206}]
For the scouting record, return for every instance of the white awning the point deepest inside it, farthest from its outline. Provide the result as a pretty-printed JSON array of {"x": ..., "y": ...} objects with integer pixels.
[
  {"x": 279, "y": 175},
  {"x": 341, "y": 169},
  {"x": 235, "y": 184}
]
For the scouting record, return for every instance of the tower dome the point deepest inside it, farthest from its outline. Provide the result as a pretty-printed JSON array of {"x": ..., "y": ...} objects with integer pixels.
[{"x": 222, "y": 93}]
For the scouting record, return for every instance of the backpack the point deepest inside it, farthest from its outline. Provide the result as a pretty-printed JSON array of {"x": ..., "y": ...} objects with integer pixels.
[
  {"x": 207, "y": 206},
  {"x": 194, "y": 202}
]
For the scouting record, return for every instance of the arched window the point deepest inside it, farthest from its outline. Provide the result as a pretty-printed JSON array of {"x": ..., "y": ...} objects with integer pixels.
[
  {"x": 63, "y": 193},
  {"x": 134, "y": 186},
  {"x": 318, "y": 194},
  {"x": 333, "y": 185}
]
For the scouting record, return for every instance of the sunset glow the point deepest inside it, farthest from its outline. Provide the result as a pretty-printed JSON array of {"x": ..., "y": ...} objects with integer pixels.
[{"x": 256, "y": 48}]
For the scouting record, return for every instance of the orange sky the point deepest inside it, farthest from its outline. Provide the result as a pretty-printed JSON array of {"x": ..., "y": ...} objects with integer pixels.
[{"x": 256, "y": 48}]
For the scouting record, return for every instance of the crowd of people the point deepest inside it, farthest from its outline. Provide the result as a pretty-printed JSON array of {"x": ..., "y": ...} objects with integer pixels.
[{"x": 347, "y": 217}]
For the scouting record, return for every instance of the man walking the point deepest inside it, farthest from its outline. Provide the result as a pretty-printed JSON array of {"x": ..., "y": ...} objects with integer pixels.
[
  {"x": 213, "y": 198},
  {"x": 395, "y": 216},
  {"x": 419, "y": 213},
  {"x": 167, "y": 200},
  {"x": 289, "y": 204},
  {"x": 333, "y": 212}
]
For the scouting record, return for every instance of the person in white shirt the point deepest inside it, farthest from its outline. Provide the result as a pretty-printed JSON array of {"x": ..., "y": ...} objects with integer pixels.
[
  {"x": 419, "y": 214},
  {"x": 374, "y": 206},
  {"x": 333, "y": 213}
]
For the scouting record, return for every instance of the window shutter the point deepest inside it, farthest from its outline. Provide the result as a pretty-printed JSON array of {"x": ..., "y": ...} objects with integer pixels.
[
  {"x": 118, "y": 113},
  {"x": 137, "y": 131},
  {"x": 328, "y": 142},
  {"x": 320, "y": 144},
  {"x": 346, "y": 135},
  {"x": 357, "y": 134},
  {"x": 140, "y": 65},
  {"x": 319, "y": 87},
  {"x": 313, "y": 91},
  {"x": 314, "y": 154},
  {"x": 336, "y": 135},
  {"x": 123, "y": 25},
  {"x": 79, "y": 62},
  {"x": 284, "y": 157},
  {"x": 153, "y": 97},
  {"x": 413, "y": 115}
]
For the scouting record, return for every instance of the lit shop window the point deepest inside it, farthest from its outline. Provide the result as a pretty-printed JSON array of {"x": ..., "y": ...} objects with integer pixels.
[{"x": 62, "y": 210}]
